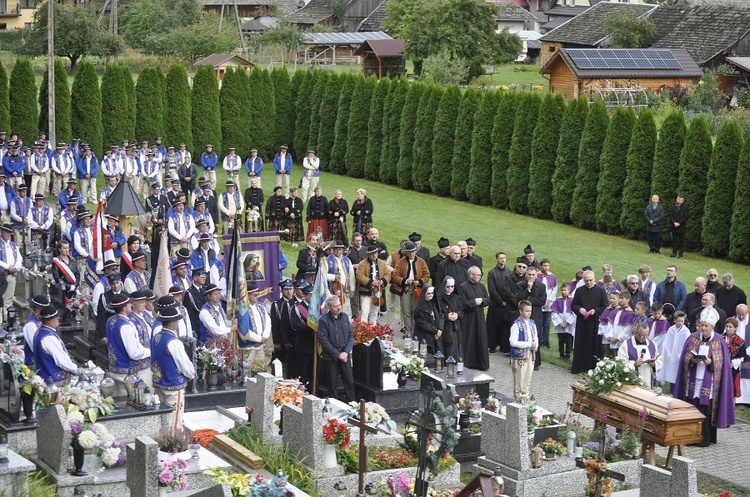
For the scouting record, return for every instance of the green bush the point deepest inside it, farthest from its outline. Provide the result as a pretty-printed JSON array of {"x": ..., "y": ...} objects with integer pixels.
[
  {"x": 23, "y": 110},
  {"x": 304, "y": 80},
  {"x": 722, "y": 178},
  {"x": 587, "y": 177},
  {"x": 283, "y": 126},
  {"x": 262, "y": 111},
  {"x": 375, "y": 129},
  {"x": 206, "y": 117},
  {"x": 338, "y": 152},
  {"x": 462, "y": 142},
  {"x": 115, "y": 113},
  {"x": 392, "y": 131},
  {"x": 329, "y": 109},
  {"x": 666, "y": 170},
  {"x": 519, "y": 155},
  {"x": 442, "y": 143},
  {"x": 424, "y": 136},
  {"x": 640, "y": 163},
  {"x": 86, "y": 107},
  {"x": 149, "y": 101},
  {"x": 566, "y": 163},
  {"x": 177, "y": 112},
  {"x": 613, "y": 171},
  {"x": 315, "y": 104},
  {"x": 62, "y": 103},
  {"x": 359, "y": 118},
  {"x": 4, "y": 99},
  {"x": 543, "y": 154},
  {"x": 739, "y": 239},
  {"x": 502, "y": 135},
  {"x": 480, "y": 168},
  {"x": 235, "y": 117},
  {"x": 129, "y": 101},
  {"x": 406, "y": 138},
  {"x": 693, "y": 182}
]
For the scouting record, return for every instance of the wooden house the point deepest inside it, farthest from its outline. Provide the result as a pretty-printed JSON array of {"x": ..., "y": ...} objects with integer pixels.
[
  {"x": 577, "y": 72},
  {"x": 321, "y": 13},
  {"x": 336, "y": 48},
  {"x": 223, "y": 61},
  {"x": 382, "y": 58}
]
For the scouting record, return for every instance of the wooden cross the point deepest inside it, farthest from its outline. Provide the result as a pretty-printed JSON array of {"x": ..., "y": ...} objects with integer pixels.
[
  {"x": 602, "y": 474},
  {"x": 424, "y": 423},
  {"x": 364, "y": 428}
]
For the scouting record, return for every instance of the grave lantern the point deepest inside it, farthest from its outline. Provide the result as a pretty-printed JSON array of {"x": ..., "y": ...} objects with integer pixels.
[
  {"x": 439, "y": 361},
  {"x": 340, "y": 488},
  {"x": 371, "y": 489},
  {"x": 326, "y": 411},
  {"x": 415, "y": 346},
  {"x": 498, "y": 484},
  {"x": 450, "y": 364},
  {"x": 3, "y": 449},
  {"x": 423, "y": 348}
]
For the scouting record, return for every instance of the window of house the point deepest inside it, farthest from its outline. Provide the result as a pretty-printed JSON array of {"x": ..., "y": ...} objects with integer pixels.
[{"x": 28, "y": 4}]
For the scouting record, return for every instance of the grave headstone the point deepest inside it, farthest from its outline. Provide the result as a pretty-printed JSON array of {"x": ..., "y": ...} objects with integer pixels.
[
  {"x": 367, "y": 363},
  {"x": 258, "y": 392},
  {"x": 682, "y": 481},
  {"x": 303, "y": 431},
  {"x": 53, "y": 439},
  {"x": 505, "y": 439},
  {"x": 223, "y": 490},
  {"x": 14, "y": 475},
  {"x": 143, "y": 467}
]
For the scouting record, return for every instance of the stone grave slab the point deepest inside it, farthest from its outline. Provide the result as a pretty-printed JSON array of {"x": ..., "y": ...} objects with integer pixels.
[
  {"x": 14, "y": 475},
  {"x": 143, "y": 467},
  {"x": 258, "y": 392},
  {"x": 53, "y": 438},
  {"x": 213, "y": 419},
  {"x": 367, "y": 363}
]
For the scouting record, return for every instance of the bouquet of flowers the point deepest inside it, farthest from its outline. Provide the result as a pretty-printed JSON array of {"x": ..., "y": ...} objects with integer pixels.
[
  {"x": 172, "y": 474},
  {"x": 114, "y": 455},
  {"x": 288, "y": 392},
  {"x": 611, "y": 374},
  {"x": 217, "y": 355},
  {"x": 251, "y": 486},
  {"x": 411, "y": 366},
  {"x": 492, "y": 404},
  {"x": 88, "y": 400},
  {"x": 593, "y": 468},
  {"x": 396, "y": 486},
  {"x": 551, "y": 446},
  {"x": 470, "y": 405},
  {"x": 337, "y": 433},
  {"x": 365, "y": 332},
  {"x": 375, "y": 415},
  {"x": 77, "y": 304},
  {"x": 13, "y": 354}
]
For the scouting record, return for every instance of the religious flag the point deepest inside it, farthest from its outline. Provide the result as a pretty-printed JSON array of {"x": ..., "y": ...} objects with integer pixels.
[
  {"x": 238, "y": 305},
  {"x": 90, "y": 276},
  {"x": 102, "y": 244},
  {"x": 318, "y": 302},
  {"x": 162, "y": 274}
]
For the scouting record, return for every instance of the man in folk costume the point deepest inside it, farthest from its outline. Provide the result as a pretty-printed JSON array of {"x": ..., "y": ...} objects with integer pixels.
[
  {"x": 88, "y": 166},
  {"x": 63, "y": 167},
  {"x": 102, "y": 286},
  {"x": 126, "y": 352},
  {"x": 150, "y": 175},
  {"x": 110, "y": 164},
  {"x": 141, "y": 318},
  {"x": 281, "y": 328},
  {"x": 373, "y": 276},
  {"x": 213, "y": 320},
  {"x": 310, "y": 173},
  {"x": 174, "y": 192},
  {"x": 410, "y": 275},
  {"x": 171, "y": 163},
  {"x": 209, "y": 160},
  {"x": 232, "y": 164},
  {"x": 50, "y": 355},
  {"x": 705, "y": 377},
  {"x": 69, "y": 192},
  {"x": 19, "y": 213},
  {"x": 139, "y": 278},
  {"x": 68, "y": 220},
  {"x": 37, "y": 303},
  {"x": 183, "y": 153},
  {"x": 116, "y": 235},
  {"x": 524, "y": 345},
  {"x": 230, "y": 205},
  {"x": 7, "y": 194},
  {"x": 254, "y": 168},
  {"x": 203, "y": 233},
  {"x": 39, "y": 164},
  {"x": 204, "y": 256},
  {"x": 304, "y": 337},
  {"x": 340, "y": 273},
  {"x": 184, "y": 329},
  {"x": 181, "y": 227},
  {"x": 282, "y": 164},
  {"x": 180, "y": 276},
  {"x": 200, "y": 213},
  {"x": 11, "y": 263},
  {"x": 132, "y": 168},
  {"x": 171, "y": 366},
  {"x": 643, "y": 354},
  {"x": 109, "y": 187},
  {"x": 254, "y": 341}
]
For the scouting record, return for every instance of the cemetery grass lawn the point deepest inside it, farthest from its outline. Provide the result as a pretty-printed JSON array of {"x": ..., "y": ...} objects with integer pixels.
[{"x": 743, "y": 413}]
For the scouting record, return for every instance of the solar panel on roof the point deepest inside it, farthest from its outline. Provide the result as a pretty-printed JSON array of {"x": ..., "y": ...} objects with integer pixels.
[{"x": 623, "y": 58}]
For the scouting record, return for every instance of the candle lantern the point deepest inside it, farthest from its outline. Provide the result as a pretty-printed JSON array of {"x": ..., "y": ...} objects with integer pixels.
[{"x": 450, "y": 365}]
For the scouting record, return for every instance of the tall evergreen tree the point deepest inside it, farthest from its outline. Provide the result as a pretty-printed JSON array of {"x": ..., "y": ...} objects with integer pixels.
[
  {"x": 519, "y": 155},
  {"x": 739, "y": 239},
  {"x": 640, "y": 163},
  {"x": 613, "y": 170},
  {"x": 161, "y": 83},
  {"x": 315, "y": 103},
  {"x": 86, "y": 107},
  {"x": 502, "y": 136},
  {"x": 587, "y": 177},
  {"x": 694, "y": 177},
  {"x": 206, "y": 111},
  {"x": 543, "y": 155},
  {"x": 375, "y": 129},
  {"x": 23, "y": 110},
  {"x": 424, "y": 135},
  {"x": 329, "y": 109},
  {"x": 722, "y": 176},
  {"x": 129, "y": 102},
  {"x": 392, "y": 132},
  {"x": 178, "y": 111},
  {"x": 115, "y": 118},
  {"x": 4, "y": 99},
  {"x": 234, "y": 118},
  {"x": 149, "y": 105},
  {"x": 666, "y": 170},
  {"x": 480, "y": 170},
  {"x": 442, "y": 142},
  {"x": 262, "y": 110},
  {"x": 305, "y": 89},
  {"x": 359, "y": 117},
  {"x": 566, "y": 163},
  {"x": 462, "y": 142},
  {"x": 338, "y": 152},
  {"x": 62, "y": 103},
  {"x": 406, "y": 138},
  {"x": 284, "y": 115}
]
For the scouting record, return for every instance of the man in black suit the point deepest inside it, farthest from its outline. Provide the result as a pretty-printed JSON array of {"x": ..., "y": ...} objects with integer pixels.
[
  {"x": 654, "y": 215},
  {"x": 195, "y": 299},
  {"x": 678, "y": 217}
]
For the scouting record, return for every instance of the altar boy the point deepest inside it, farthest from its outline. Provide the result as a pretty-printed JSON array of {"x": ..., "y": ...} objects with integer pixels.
[
  {"x": 607, "y": 320},
  {"x": 564, "y": 321},
  {"x": 622, "y": 327}
]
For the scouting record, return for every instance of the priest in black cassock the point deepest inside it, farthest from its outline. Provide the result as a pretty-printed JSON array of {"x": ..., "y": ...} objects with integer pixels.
[
  {"x": 588, "y": 303},
  {"x": 474, "y": 298},
  {"x": 454, "y": 266}
]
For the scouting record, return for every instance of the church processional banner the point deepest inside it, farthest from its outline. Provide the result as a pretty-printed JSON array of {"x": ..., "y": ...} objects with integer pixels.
[{"x": 260, "y": 261}]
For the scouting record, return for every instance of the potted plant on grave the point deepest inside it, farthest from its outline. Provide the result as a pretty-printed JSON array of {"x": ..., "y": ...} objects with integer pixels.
[
  {"x": 172, "y": 476},
  {"x": 551, "y": 448},
  {"x": 172, "y": 444},
  {"x": 407, "y": 367},
  {"x": 250, "y": 485},
  {"x": 217, "y": 356},
  {"x": 337, "y": 436},
  {"x": 366, "y": 332},
  {"x": 468, "y": 407},
  {"x": 28, "y": 382},
  {"x": 84, "y": 438},
  {"x": 492, "y": 404},
  {"x": 287, "y": 392}
]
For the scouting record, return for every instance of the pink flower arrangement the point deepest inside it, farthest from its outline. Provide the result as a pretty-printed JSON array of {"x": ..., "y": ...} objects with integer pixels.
[{"x": 172, "y": 474}]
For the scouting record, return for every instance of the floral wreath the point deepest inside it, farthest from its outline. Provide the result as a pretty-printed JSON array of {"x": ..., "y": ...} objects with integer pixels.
[
  {"x": 594, "y": 467},
  {"x": 445, "y": 417}
]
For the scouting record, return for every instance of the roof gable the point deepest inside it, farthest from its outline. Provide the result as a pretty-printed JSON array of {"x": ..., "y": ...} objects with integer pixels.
[
  {"x": 217, "y": 59},
  {"x": 512, "y": 12},
  {"x": 314, "y": 12},
  {"x": 587, "y": 28},
  {"x": 374, "y": 22},
  {"x": 382, "y": 48}
]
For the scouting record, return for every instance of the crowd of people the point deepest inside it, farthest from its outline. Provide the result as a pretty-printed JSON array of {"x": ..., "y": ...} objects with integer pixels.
[{"x": 692, "y": 342}]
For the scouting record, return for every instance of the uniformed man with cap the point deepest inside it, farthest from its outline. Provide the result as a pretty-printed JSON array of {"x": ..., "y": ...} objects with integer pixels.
[
  {"x": 281, "y": 328},
  {"x": 231, "y": 206},
  {"x": 63, "y": 166},
  {"x": 88, "y": 167},
  {"x": 19, "y": 213},
  {"x": 304, "y": 337},
  {"x": 209, "y": 160},
  {"x": 102, "y": 285},
  {"x": 195, "y": 298},
  {"x": 254, "y": 167},
  {"x": 39, "y": 164},
  {"x": 213, "y": 320},
  {"x": 125, "y": 349},
  {"x": 50, "y": 355},
  {"x": 11, "y": 263},
  {"x": 69, "y": 192},
  {"x": 139, "y": 278},
  {"x": 40, "y": 219},
  {"x": 175, "y": 191},
  {"x": 170, "y": 364},
  {"x": 83, "y": 241},
  {"x": 181, "y": 227}
]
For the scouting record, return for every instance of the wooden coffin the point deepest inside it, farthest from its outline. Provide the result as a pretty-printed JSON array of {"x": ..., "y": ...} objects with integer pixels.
[{"x": 670, "y": 421}]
